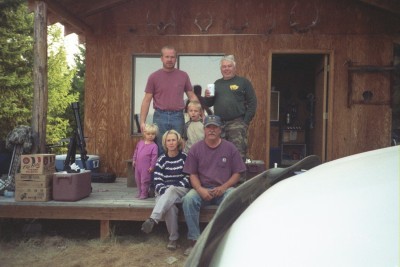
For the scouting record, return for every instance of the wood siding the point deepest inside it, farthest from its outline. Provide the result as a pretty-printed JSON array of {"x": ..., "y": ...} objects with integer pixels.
[{"x": 346, "y": 30}]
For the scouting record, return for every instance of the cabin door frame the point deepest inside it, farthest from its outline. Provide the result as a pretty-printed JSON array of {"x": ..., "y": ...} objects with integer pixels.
[{"x": 324, "y": 74}]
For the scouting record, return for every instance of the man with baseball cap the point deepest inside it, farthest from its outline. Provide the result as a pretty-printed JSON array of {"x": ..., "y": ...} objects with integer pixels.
[{"x": 214, "y": 166}]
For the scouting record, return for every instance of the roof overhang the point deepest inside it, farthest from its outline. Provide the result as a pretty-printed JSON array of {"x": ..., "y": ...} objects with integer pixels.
[{"x": 75, "y": 15}]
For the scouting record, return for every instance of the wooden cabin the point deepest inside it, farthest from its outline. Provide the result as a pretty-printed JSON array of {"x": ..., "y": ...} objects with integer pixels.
[{"x": 323, "y": 70}]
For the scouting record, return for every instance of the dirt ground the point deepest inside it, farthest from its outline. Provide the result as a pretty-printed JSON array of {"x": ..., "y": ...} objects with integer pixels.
[{"x": 72, "y": 243}]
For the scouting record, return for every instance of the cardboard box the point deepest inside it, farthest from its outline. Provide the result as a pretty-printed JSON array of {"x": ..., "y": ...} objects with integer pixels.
[
  {"x": 33, "y": 180},
  {"x": 33, "y": 184},
  {"x": 32, "y": 194},
  {"x": 38, "y": 164},
  {"x": 71, "y": 186},
  {"x": 92, "y": 163}
]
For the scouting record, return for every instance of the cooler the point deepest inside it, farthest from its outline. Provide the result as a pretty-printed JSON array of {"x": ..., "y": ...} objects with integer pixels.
[
  {"x": 71, "y": 186},
  {"x": 93, "y": 162}
]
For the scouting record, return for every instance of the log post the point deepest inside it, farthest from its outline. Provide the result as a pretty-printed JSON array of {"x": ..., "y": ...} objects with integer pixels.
[
  {"x": 104, "y": 229},
  {"x": 40, "y": 91}
]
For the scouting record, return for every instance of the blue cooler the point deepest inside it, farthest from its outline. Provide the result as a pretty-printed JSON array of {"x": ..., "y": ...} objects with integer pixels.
[{"x": 93, "y": 162}]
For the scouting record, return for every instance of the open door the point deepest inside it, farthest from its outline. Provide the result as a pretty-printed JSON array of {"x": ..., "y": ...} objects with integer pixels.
[
  {"x": 320, "y": 114},
  {"x": 301, "y": 81}
]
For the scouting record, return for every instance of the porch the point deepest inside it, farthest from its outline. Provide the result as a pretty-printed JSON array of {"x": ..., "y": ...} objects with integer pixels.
[{"x": 107, "y": 202}]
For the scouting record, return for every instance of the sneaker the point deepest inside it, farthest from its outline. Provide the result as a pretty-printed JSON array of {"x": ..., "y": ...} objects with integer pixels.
[
  {"x": 188, "y": 250},
  {"x": 171, "y": 245},
  {"x": 148, "y": 225}
]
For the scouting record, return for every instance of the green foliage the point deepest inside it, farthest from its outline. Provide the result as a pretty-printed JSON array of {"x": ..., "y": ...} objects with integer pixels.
[
  {"x": 60, "y": 91},
  {"x": 78, "y": 81},
  {"x": 16, "y": 61},
  {"x": 16, "y": 109},
  {"x": 16, "y": 41},
  {"x": 16, "y": 82}
]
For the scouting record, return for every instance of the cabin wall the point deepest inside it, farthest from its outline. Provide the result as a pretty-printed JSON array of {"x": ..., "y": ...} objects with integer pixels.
[{"x": 348, "y": 31}]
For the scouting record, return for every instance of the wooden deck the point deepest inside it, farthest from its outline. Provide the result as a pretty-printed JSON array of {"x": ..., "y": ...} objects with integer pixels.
[{"x": 107, "y": 202}]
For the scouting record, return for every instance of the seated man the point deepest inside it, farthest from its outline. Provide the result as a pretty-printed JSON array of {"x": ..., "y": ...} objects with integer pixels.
[{"x": 214, "y": 166}]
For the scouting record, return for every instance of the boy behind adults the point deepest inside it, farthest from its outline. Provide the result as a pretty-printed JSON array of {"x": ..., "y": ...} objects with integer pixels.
[
  {"x": 194, "y": 128},
  {"x": 214, "y": 165}
]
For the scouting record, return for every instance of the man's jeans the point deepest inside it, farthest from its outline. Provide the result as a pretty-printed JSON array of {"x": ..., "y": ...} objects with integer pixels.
[
  {"x": 192, "y": 202},
  {"x": 167, "y": 120}
]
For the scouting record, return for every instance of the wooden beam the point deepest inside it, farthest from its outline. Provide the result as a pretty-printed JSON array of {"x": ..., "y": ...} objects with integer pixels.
[
  {"x": 392, "y": 6},
  {"x": 102, "y": 5},
  {"x": 33, "y": 210},
  {"x": 40, "y": 91},
  {"x": 104, "y": 229},
  {"x": 63, "y": 12}
]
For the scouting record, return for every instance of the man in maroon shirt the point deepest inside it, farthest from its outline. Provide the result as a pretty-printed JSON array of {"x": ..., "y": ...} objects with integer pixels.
[
  {"x": 214, "y": 165},
  {"x": 166, "y": 88}
]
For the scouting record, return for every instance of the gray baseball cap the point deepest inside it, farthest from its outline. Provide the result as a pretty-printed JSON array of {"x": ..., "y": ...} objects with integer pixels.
[{"x": 212, "y": 119}]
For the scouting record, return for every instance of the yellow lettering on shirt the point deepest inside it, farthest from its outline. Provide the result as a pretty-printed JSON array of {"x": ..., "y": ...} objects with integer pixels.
[{"x": 234, "y": 87}]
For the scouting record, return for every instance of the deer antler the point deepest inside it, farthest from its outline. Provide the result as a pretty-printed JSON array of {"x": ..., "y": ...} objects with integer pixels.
[
  {"x": 161, "y": 26},
  {"x": 210, "y": 22},
  {"x": 269, "y": 30},
  {"x": 240, "y": 29},
  {"x": 295, "y": 25}
]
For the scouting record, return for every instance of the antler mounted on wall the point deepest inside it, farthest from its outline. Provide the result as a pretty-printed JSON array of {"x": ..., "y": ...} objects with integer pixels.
[
  {"x": 237, "y": 29},
  {"x": 269, "y": 30},
  {"x": 295, "y": 25},
  {"x": 161, "y": 26},
  {"x": 205, "y": 29}
]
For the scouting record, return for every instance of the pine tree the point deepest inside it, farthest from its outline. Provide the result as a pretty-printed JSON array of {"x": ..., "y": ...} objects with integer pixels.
[
  {"x": 16, "y": 61},
  {"x": 78, "y": 81},
  {"x": 16, "y": 42},
  {"x": 61, "y": 94},
  {"x": 16, "y": 81}
]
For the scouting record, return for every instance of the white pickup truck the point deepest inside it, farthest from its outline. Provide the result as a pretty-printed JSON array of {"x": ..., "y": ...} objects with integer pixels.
[{"x": 340, "y": 213}]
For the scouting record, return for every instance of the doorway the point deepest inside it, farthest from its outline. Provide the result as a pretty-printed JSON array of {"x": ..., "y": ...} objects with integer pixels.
[{"x": 299, "y": 85}]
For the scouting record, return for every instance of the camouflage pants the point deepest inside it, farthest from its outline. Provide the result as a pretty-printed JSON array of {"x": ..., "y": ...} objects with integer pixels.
[{"x": 235, "y": 131}]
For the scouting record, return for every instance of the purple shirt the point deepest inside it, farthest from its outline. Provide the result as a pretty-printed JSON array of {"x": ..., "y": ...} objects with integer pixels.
[
  {"x": 145, "y": 155},
  {"x": 168, "y": 89},
  {"x": 214, "y": 166}
]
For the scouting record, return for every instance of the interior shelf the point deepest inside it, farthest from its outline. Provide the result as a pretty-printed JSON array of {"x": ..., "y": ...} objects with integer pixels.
[{"x": 292, "y": 153}]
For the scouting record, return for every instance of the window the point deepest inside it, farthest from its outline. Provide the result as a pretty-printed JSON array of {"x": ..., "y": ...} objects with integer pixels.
[
  {"x": 202, "y": 70},
  {"x": 143, "y": 66}
]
